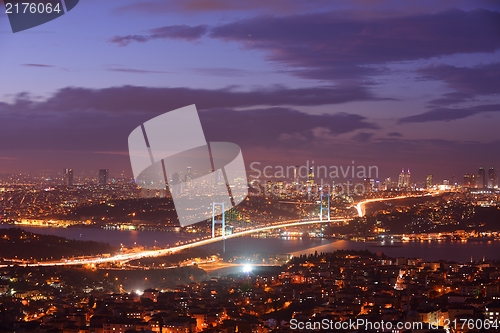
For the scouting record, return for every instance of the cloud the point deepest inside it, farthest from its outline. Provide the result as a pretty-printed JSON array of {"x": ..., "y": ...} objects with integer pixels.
[
  {"x": 394, "y": 134},
  {"x": 84, "y": 128},
  {"x": 364, "y": 8},
  {"x": 328, "y": 46},
  {"x": 204, "y": 6},
  {"x": 134, "y": 70},
  {"x": 179, "y": 32},
  {"x": 277, "y": 126},
  {"x": 363, "y": 137},
  {"x": 125, "y": 40},
  {"x": 101, "y": 119},
  {"x": 451, "y": 98},
  {"x": 257, "y": 131},
  {"x": 222, "y": 71},
  {"x": 446, "y": 114},
  {"x": 333, "y": 46},
  {"x": 183, "y": 32},
  {"x": 467, "y": 81},
  {"x": 158, "y": 100},
  {"x": 38, "y": 65}
]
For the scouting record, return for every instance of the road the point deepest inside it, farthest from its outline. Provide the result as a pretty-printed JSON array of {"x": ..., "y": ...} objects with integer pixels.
[{"x": 360, "y": 207}]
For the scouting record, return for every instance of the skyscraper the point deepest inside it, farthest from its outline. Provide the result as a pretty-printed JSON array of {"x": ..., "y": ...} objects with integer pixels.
[
  {"x": 407, "y": 179},
  {"x": 296, "y": 175},
  {"x": 401, "y": 179},
  {"x": 481, "y": 178},
  {"x": 429, "y": 181},
  {"x": 103, "y": 176},
  {"x": 310, "y": 176},
  {"x": 492, "y": 178},
  {"x": 68, "y": 177},
  {"x": 404, "y": 179},
  {"x": 188, "y": 177}
]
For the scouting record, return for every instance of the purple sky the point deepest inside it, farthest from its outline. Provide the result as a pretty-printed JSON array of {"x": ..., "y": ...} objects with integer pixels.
[{"x": 387, "y": 83}]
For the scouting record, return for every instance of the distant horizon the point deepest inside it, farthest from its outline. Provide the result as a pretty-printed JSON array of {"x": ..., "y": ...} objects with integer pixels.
[{"x": 416, "y": 178}]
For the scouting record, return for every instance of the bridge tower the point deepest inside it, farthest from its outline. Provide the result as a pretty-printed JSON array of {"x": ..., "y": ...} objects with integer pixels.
[
  {"x": 222, "y": 221},
  {"x": 322, "y": 206}
]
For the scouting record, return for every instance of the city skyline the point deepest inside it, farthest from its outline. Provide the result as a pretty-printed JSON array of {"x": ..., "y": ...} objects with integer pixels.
[
  {"x": 385, "y": 84},
  {"x": 290, "y": 176}
]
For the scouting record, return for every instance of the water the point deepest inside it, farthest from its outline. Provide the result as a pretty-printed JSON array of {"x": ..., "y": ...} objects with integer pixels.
[
  {"x": 430, "y": 251},
  {"x": 114, "y": 237}
]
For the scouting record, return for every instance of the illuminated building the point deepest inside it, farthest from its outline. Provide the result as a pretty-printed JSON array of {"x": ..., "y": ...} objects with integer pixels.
[
  {"x": 401, "y": 179},
  {"x": 469, "y": 180},
  {"x": 280, "y": 186},
  {"x": 429, "y": 181},
  {"x": 407, "y": 179},
  {"x": 388, "y": 183},
  {"x": 453, "y": 181},
  {"x": 295, "y": 175},
  {"x": 481, "y": 178},
  {"x": 492, "y": 178},
  {"x": 404, "y": 179},
  {"x": 368, "y": 185},
  {"x": 269, "y": 187},
  {"x": 103, "y": 176},
  {"x": 68, "y": 177},
  {"x": 310, "y": 176},
  {"x": 188, "y": 177},
  {"x": 492, "y": 310}
]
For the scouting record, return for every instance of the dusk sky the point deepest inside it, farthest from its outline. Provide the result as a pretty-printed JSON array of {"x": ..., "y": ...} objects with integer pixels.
[{"x": 387, "y": 83}]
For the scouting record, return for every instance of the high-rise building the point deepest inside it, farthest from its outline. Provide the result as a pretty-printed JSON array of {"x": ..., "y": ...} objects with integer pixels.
[
  {"x": 296, "y": 175},
  {"x": 469, "y": 180},
  {"x": 188, "y": 177},
  {"x": 401, "y": 179},
  {"x": 407, "y": 179},
  {"x": 388, "y": 184},
  {"x": 492, "y": 178},
  {"x": 453, "y": 181},
  {"x": 404, "y": 179},
  {"x": 481, "y": 178},
  {"x": 367, "y": 183},
  {"x": 310, "y": 176},
  {"x": 103, "y": 176},
  {"x": 68, "y": 177},
  {"x": 429, "y": 181}
]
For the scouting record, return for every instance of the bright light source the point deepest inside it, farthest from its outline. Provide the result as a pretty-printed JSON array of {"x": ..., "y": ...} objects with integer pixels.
[
  {"x": 138, "y": 292},
  {"x": 247, "y": 268}
]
